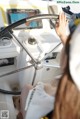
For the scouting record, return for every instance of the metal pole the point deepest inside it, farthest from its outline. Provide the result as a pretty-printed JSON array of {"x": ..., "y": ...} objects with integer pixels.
[
  {"x": 15, "y": 71},
  {"x": 35, "y": 72}
]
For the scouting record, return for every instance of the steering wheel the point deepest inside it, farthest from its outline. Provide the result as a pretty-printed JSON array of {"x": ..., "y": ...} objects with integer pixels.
[
  {"x": 29, "y": 19},
  {"x": 16, "y": 24}
]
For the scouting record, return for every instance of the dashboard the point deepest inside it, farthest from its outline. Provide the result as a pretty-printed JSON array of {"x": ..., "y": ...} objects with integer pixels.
[{"x": 15, "y": 15}]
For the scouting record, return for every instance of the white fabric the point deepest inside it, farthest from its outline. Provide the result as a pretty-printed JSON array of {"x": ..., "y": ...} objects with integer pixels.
[
  {"x": 74, "y": 62},
  {"x": 40, "y": 104}
]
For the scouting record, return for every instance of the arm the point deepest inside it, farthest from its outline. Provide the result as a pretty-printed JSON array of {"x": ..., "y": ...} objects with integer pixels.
[
  {"x": 60, "y": 28},
  {"x": 64, "y": 38}
]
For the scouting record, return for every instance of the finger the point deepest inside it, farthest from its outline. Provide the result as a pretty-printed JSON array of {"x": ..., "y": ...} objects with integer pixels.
[
  {"x": 63, "y": 17},
  {"x": 60, "y": 18}
]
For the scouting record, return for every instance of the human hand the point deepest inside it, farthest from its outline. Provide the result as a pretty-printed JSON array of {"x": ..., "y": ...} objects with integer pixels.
[{"x": 60, "y": 27}]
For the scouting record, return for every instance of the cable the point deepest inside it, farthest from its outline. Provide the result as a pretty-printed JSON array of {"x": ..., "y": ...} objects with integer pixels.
[{"x": 10, "y": 92}]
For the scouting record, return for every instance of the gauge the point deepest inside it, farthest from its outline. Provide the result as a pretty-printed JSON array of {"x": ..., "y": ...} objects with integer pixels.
[{"x": 5, "y": 41}]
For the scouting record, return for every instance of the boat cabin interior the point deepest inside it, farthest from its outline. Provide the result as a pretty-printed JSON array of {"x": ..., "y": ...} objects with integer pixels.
[{"x": 30, "y": 52}]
